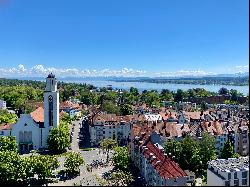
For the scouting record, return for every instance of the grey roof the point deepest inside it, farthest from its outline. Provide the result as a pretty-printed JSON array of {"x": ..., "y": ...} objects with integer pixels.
[{"x": 231, "y": 164}]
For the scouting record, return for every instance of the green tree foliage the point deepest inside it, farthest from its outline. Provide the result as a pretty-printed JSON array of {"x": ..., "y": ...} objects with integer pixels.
[
  {"x": 8, "y": 143},
  {"x": 110, "y": 108},
  {"x": 9, "y": 165},
  {"x": 223, "y": 91},
  {"x": 166, "y": 95},
  {"x": 192, "y": 154},
  {"x": 120, "y": 178},
  {"x": 59, "y": 139},
  {"x": 207, "y": 149},
  {"x": 73, "y": 162},
  {"x": 174, "y": 148},
  {"x": 107, "y": 144},
  {"x": 228, "y": 150},
  {"x": 121, "y": 158},
  {"x": 6, "y": 117},
  {"x": 43, "y": 165},
  {"x": 179, "y": 96},
  {"x": 126, "y": 109},
  {"x": 134, "y": 91}
]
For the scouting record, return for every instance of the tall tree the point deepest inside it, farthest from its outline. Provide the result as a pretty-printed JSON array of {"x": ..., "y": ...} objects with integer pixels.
[
  {"x": 59, "y": 138},
  {"x": 73, "y": 162},
  {"x": 223, "y": 91},
  {"x": 121, "y": 158},
  {"x": 126, "y": 109},
  {"x": 107, "y": 144},
  {"x": 228, "y": 150},
  {"x": 207, "y": 149}
]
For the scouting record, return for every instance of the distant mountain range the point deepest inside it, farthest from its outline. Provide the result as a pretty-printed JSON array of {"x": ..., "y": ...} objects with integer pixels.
[{"x": 113, "y": 78}]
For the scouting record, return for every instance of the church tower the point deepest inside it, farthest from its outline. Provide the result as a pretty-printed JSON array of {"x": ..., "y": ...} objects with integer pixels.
[{"x": 51, "y": 106}]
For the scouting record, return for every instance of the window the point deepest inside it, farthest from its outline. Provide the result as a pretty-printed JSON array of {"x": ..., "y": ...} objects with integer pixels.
[
  {"x": 244, "y": 174},
  {"x": 236, "y": 182},
  {"x": 25, "y": 124},
  {"x": 109, "y": 127},
  {"x": 227, "y": 183},
  {"x": 235, "y": 175},
  {"x": 229, "y": 176},
  {"x": 244, "y": 181},
  {"x": 103, "y": 132}
]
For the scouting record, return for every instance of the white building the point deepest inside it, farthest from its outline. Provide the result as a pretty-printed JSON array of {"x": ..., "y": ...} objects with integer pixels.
[
  {"x": 32, "y": 130},
  {"x": 109, "y": 126},
  {"x": 153, "y": 117},
  {"x": 158, "y": 169},
  {"x": 230, "y": 172},
  {"x": 2, "y": 104}
]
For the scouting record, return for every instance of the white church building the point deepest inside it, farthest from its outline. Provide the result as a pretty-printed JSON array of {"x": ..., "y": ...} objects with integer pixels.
[{"x": 32, "y": 130}]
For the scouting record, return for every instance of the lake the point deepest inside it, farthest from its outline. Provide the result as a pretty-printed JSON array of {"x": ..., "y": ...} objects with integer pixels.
[{"x": 159, "y": 86}]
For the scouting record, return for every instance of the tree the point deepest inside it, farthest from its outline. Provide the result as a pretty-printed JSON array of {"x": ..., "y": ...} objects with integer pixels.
[
  {"x": 59, "y": 138},
  {"x": 9, "y": 165},
  {"x": 190, "y": 154},
  {"x": 6, "y": 117},
  {"x": 126, "y": 110},
  {"x": 107, "y": 144},
  {"x": 228, "y": 150},
  {"x": 43, "y": 165},
  {"x": 134, "y": 91},
  {"x": 110, "y": 108},
  {"x": 121, "y": 158},
  {"x": 8, "y": 143},
  {"x": 179, "y": 96},
  {"x": 120, "y": 178},
  {"x": 207, "y": 149},
  {"x": 223, "y": 91},
  {"x": 73, "y": 162},
  {"x": 174, "y": 149}
]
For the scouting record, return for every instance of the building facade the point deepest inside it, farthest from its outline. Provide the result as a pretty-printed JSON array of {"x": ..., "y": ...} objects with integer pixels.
[{"x": 228, "y": 172}]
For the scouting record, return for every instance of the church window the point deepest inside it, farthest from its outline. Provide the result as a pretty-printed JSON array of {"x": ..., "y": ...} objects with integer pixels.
[
  {"x": 50, "y": 110},
  {"x": 25, "y": 124}
]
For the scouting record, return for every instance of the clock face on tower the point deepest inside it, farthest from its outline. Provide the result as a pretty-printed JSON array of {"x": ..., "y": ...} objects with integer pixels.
[{"x": 50, "y": 98}]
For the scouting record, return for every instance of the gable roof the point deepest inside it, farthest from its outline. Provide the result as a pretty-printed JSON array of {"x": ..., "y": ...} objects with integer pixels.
[
  {"x": 6, "y": 126},
  {"x": 38, "y": 115},
  {"x": 164, "y": 166}
]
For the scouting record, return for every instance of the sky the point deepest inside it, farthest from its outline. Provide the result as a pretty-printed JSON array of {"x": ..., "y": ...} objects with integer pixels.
[{"x": 123, "y": 37}]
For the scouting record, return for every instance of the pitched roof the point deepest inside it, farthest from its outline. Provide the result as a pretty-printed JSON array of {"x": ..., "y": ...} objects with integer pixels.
[
  {"x": 69, "y": 104},
  {"x": 164, "y": 166},
  {"x": 38, "y": 115},
  {"x": 6, "y": 126}
]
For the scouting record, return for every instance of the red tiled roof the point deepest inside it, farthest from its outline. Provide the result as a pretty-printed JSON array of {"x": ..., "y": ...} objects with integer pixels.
[
  {"x": 167, "y": 168},
  {"x": 69, "y": 104},
  {"x": 38, "y": 115},
  {"x": 6, "y": 126}
]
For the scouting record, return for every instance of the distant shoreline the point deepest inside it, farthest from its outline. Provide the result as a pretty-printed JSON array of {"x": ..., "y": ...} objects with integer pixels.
[{"x": 226, "y": 81}]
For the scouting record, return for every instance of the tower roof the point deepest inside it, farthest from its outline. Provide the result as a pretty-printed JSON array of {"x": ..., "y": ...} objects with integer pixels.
[{"x": 51, "y": 75}]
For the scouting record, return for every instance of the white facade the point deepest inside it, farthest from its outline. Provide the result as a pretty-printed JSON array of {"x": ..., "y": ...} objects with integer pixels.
[
  {"x": 51, "y": 106},
  {"x": 114, "y": 130},
  {"x": 2, "y": 104},
  {"x": 231, "y": 172},
  {"x": 28, "y": 133},
  {"x": 32, "y": 130}
]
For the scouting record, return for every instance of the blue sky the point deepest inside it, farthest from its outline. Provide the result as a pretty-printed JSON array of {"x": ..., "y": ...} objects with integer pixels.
[{"x": 151, "y": 36}]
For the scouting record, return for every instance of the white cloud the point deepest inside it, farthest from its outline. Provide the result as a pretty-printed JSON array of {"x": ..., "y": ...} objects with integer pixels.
[
  {"x": 41, "y": 71},
  {"x": 242, "y": 68}
]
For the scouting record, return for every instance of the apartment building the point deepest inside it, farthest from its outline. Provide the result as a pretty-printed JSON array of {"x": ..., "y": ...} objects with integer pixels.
[
  {"x": 158, "y": 169},
  {"x": 228, "y": 172},
  {"x": 110, "y": 126}
]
